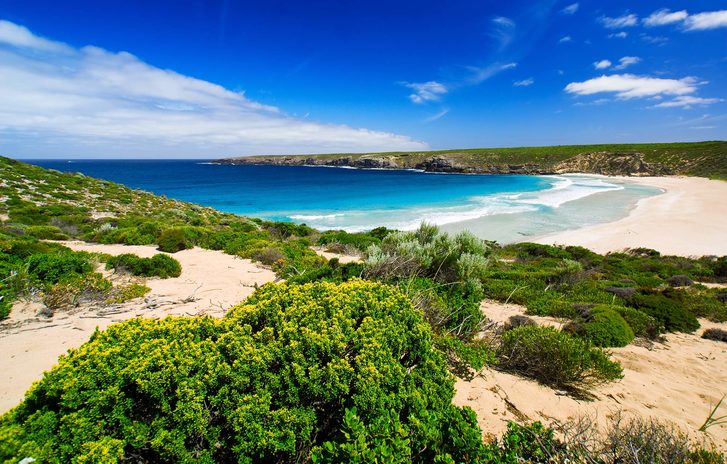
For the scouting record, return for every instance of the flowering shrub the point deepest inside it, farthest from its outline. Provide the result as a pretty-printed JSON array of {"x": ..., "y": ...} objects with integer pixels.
[{"x": 320, "y": 372}]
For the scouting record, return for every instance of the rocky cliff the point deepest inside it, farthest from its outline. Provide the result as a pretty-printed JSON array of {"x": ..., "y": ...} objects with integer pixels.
[{"x": 606, "y": 163}]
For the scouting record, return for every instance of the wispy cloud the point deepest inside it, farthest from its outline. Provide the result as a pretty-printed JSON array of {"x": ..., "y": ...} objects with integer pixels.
[
  {"x": 664, "y": 16},
  {"x": 426, "y": 91},
  {"x": 627, "y": 61},
  {"x": 627, "y": 20},
  {"x": 481, "y": 74},
  {"x": 654, "y": 40},
  {"x": 437, "y": 116},
  {"x": 570, "y": 9},
  {"x": 626, "y": 86},
  {"x": 618, "y": 35},
  {"x": 91, "y": 101},
  {"x": 524, "y": 83},
  {"x": 602, "y": 64},
  {"x": 565, "y": 38},
  {"x": 705, "y": 21},
  {"x": 687, "y": 101},
  {"x": 502, "y": 30}
]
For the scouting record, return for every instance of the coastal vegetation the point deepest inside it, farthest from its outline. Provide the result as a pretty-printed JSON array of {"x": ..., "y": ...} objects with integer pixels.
[
  {"x": 345, "y": 362},
  {"x": 705, "y": 159}
]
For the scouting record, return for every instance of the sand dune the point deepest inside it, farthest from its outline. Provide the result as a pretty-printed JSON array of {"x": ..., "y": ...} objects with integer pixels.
[
  {"x": 677, "y": 381},
  {"x": 211, "y": 283},
  {"x": 689, "y": 219}
]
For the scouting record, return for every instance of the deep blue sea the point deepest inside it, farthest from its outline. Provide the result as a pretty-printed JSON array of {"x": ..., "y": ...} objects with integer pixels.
[{"x": 353, "y": 199}]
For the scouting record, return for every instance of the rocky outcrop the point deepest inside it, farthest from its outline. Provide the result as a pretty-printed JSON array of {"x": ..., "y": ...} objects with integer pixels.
[
  {"x": 611, "y": 164},
  {"x": 606, "y": 163}
]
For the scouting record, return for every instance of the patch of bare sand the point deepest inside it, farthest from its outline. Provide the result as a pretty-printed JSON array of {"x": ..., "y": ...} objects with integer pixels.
[
  {"x": 343, "y": 258},
  {"x": 211, "y": 283},
  {"x": 678, "y": 381}
]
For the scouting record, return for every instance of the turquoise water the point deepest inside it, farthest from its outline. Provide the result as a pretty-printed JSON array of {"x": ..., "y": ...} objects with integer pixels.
[{"x": 499, "y": 207}]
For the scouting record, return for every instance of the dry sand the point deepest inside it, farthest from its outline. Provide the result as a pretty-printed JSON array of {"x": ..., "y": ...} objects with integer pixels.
[
  {"x": 211, "y": 282},
  {"x": 688, "y": 219},
  {"x": 677, "y": 381}
]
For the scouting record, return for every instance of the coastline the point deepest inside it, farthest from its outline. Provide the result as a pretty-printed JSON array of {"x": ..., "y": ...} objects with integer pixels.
[{"x": 688, "y": 219}]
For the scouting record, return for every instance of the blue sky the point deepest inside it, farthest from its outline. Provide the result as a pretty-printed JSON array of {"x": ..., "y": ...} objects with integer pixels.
[{"x": 199, "y": 78}]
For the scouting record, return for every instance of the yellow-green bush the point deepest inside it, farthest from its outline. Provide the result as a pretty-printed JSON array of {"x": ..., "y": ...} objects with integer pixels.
[{"x": 319, "y": 372}]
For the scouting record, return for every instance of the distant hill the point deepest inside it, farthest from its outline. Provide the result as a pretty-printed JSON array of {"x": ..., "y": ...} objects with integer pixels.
[{"x": 704, "y": 159}]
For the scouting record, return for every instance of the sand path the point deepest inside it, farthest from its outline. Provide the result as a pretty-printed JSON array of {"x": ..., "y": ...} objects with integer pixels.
[
  {"x": 678, "y": 381},
  {"x": 211, "y": 282},
  {"x": 689, "y": 219}
]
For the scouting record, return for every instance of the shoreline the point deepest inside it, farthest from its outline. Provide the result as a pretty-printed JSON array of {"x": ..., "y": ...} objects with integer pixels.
[{"x": 688, "y": 219}]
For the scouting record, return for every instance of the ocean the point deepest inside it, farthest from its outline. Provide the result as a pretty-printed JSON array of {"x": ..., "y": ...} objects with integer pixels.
[{"x": 505, "y": 208}]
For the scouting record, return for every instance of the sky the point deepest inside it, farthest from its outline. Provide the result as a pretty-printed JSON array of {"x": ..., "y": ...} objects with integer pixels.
[{"x": 217, "y": 78}]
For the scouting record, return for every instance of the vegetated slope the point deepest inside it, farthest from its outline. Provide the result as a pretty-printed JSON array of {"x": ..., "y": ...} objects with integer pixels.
[
  {"x": 706, "y": 159},
  {"x": 41, "y": 204}
]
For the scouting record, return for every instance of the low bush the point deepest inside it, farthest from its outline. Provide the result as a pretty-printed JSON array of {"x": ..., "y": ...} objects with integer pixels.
[
  {"x": 669, "y": 313},
  {"x": 641, "y": 323},
  {"x": 46, "y": 232},
  {"x": 127, "y": 292},
  {"x": 311, "y": 373},
  {"x": 159, "y": 265},
  {"x": 719, "y": 335},
  {"x": 268, "y": 255},
  {"x": 555, "y": 358},
  {"x": 52, "y": 268},
  {"x": 605, "y": 327},
  {"x": 173, "y": 240}
]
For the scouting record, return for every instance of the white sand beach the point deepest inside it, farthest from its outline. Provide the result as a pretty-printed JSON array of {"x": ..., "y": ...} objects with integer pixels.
[{"x": 688, "y": 219}]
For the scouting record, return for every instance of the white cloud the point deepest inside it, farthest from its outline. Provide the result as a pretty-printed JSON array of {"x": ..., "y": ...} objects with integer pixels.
[
  {"x": 618, "y": 35},
  {"x": 707, "y": 20},
  {"x": 565, "y": 38},
  {"x": 664, "y": 16},
  {"x": 602, "y": 64},
  {"x": 627, "y": 61},
  {"x": 631, "y": 86},
  {"x": 524, "y": 83},
  {"x": 426, "y": 91},
  {"x": 19, "y": 36},
  {"x": 570, "y": 9},
  {"x": 90, "y": 101},
  {"x": 626, "y": 20},
  {"x": 687, "y": 101}
]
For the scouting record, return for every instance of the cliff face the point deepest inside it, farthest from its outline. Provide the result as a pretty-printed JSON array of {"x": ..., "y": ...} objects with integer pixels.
[{"x": 606, "y": 163}]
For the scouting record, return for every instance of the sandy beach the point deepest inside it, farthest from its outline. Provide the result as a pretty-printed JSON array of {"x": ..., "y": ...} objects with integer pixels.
[
  {"x": 688, "y": 219},
  {"x": 211, "y": 283},
  {"x": 678, "y": 381}
]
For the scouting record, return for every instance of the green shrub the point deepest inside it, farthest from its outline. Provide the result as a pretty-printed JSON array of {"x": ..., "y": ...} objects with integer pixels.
[
  {"x": 359, "y": 240},
  {"x": 669, "y": 313},
  {"x": 605, "y": 327},
  {"x": 56, "y": 267},
  {"x": 319, "y": 373},
  {"x": 173, "y": 240},
  {"x": 46, "y": 232},
  {"x": 641, "y": 323},
  {"x": 551, "y": 304},
  {"x": 555, "y": 358},
  {"x": 159, "y": 265}
]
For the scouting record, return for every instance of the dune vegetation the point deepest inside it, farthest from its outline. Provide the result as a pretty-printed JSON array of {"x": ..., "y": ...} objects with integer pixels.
[{"x": 349, "y": 362}]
